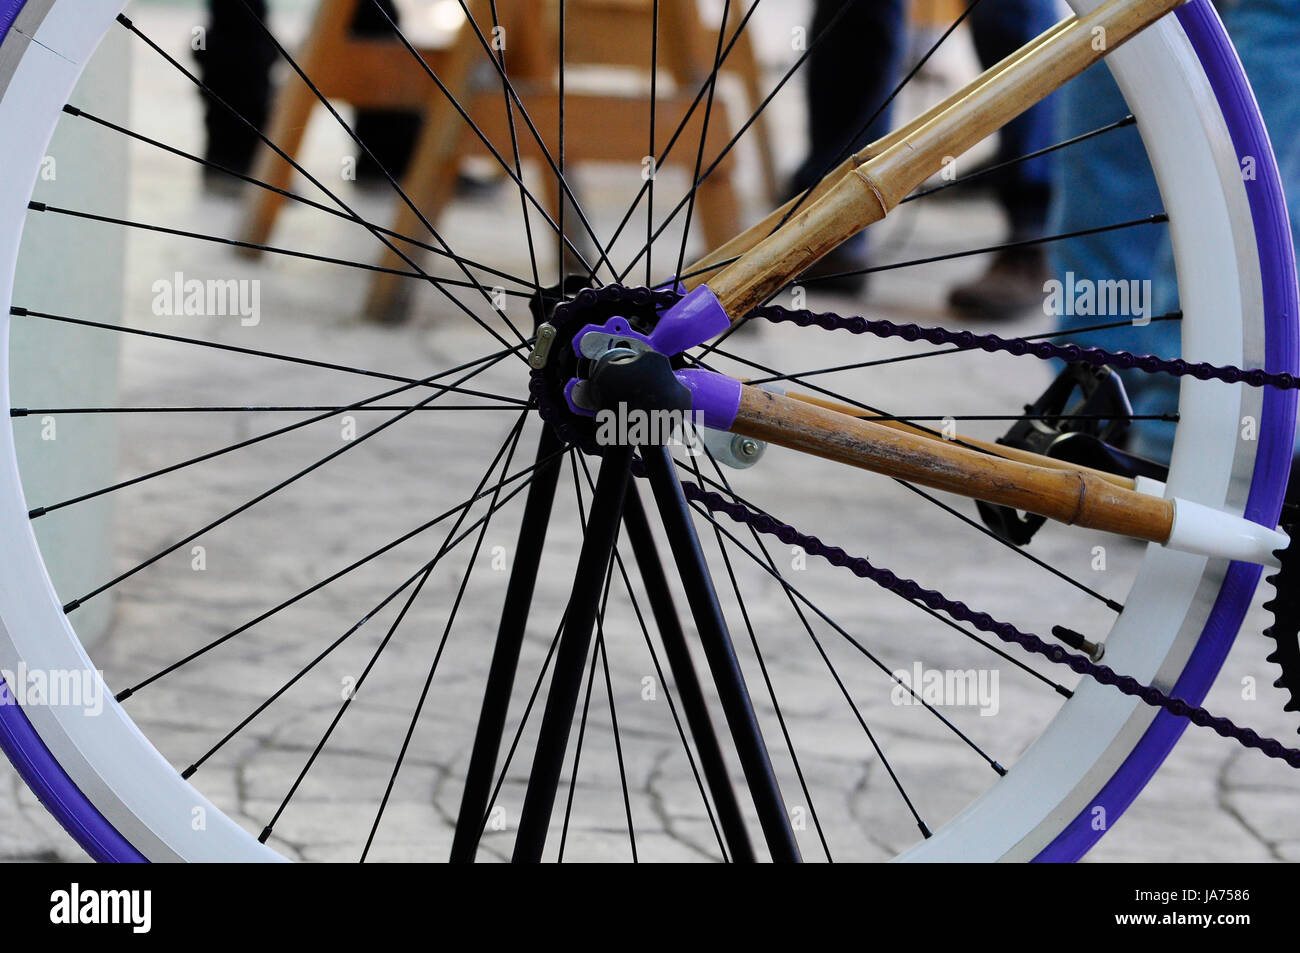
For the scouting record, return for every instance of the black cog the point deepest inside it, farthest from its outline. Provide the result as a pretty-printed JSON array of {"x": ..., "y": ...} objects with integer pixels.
[{"x": 1285, "y": 607}]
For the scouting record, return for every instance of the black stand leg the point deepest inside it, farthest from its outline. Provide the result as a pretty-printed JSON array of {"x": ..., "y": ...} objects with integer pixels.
[
  {"x": 720, "y": 652},
  {"x": 505, "y": 656},
  {"x": 688, "y": 683},
  {"x": 571, "y": 657}
]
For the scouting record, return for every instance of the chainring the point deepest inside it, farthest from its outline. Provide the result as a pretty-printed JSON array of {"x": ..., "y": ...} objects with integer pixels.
[{"x": 1285, "y": 608}]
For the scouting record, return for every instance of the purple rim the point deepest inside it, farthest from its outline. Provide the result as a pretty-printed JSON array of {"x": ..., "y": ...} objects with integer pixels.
[
  {"x": 9, "y": 10},
  {"x": 1227, "y": 78},
  {"x": 28, "y": 753}
]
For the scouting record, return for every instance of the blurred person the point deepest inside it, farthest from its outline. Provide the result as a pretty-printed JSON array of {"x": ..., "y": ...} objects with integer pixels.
[
  {"x": 1013, "y": 280},
  {"x": 235, "y": 62},
  {"x": 851, "y": 71}
]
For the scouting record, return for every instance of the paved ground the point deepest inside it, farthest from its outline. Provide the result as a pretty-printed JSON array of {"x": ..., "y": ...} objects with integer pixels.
[{"x": 1212, "y": 800}]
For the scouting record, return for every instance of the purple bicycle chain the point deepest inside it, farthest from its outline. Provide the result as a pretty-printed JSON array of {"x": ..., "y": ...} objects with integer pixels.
[
  {"x": 1070, "y": 353},
  {"x": 913, "y": 591},
  {"x": 910, "y": 589}
]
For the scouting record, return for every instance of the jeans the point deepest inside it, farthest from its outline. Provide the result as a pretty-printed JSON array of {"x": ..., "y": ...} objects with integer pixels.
[
  {"x": 855, "y": 67},
  {"x": 999, "y": 28},
  {"x": 1110, "y": 172},
  {"x": 850, "y": 73},
  {"x": 236, "y": 62}
]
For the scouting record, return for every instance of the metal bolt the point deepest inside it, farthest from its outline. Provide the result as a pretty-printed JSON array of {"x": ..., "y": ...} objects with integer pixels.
[
  {"x": 542, "y": 349},
  {"x": 746, "y": 447}
]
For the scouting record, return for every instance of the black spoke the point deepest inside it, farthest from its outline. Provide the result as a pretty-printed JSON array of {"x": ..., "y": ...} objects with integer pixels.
[
  {"x": 654, "y": 109},
  {"x": 997, "y": 167},
  {"x": 861, "y": 720},
  {"x": 656, "y": 591},
  {"x": 566, "y": 190},
  {"x": 957, "y": 349},
  {"x": 524, "y": 194},
  {"x": 559, "y": 280},
  {"x": 704, "y": 139},
  {"x": 793, "y": 593},
  {"x": 524, "y": 478},
  {"x": 207, "y": 91},
  {"x": 255, "y": 352},
  {"x": 844, "y": 691},
  {"x": 248, "y": 504},
  {"x": 762, "y": 664},
  {"x": 647, "y": 187},
  {"x": 985, "y": 531},
  {"x": 731, "y": 144},
  {"x": 618, "y": 743},
  {"x": 513, "y": 442},
  {"x": 383, "y": 169},
  {"x": 294, "y": 197},
  {"x": 725, "y": 816},
  {"x": 514, "y": 174},
  {"x": 260, "y": 438},
  {"x": 418, "y": 578},
  {"x": 582, "y": 737},
  {"x": 1156, "y": 219},
  {"x": 523, "y": 720},
  {"x": 763, "y": 105},
  {"x": 1018, "y": 550},
  {"x": 255, "y": 409},
  {"x": 609, "y": 688},
  {"x": 272, "y": 249}
]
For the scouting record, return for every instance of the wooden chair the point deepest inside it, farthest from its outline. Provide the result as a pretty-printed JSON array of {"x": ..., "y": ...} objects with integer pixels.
[{"x": 599, "y": 126}]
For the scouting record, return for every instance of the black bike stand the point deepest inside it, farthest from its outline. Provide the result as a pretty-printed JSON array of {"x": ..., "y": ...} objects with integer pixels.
[
  {"x": 689, "y": 692},
  {"x": 505, "y": 656},
  {"x": 571, "y": 657},
  {"x": 640, "y": 382},
  {"x": 720, "y": 653}
]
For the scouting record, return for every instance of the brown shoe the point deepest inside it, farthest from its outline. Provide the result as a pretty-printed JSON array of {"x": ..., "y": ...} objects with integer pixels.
[{"x": 1012, "y": 284}]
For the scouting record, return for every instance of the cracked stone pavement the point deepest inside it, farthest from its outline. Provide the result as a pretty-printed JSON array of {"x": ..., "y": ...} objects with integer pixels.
[{"x": 1211, "y": 801}]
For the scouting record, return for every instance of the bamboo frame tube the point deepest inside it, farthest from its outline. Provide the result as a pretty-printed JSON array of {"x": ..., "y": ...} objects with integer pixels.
[
  {"x": 747, "y": 239},
  {"x": 1001, "y": 450},
  {"x": 870, "y": 190},
  {"x": 1068, "y": 496}
]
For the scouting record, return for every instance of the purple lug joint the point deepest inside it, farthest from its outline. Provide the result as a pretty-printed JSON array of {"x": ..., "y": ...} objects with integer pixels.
[
  {"x": 715, "y": 397},
  {"x": 696, "y": 318},
  {"x": 693, "y": 320}
]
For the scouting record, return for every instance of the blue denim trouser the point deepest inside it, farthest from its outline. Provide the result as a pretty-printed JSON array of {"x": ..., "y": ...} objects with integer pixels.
[
  {"x": 999, "y": 28},
  {"x": 1108, "y": 179}
]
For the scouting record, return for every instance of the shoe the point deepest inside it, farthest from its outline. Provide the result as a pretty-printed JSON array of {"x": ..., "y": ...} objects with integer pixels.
[{"x": 1012, "y": 284}]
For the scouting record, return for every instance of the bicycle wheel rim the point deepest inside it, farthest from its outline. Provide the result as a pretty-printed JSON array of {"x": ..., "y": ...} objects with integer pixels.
[
  {"x": 1214, "y": 49},
  {"x": 78, "y": 812}
]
